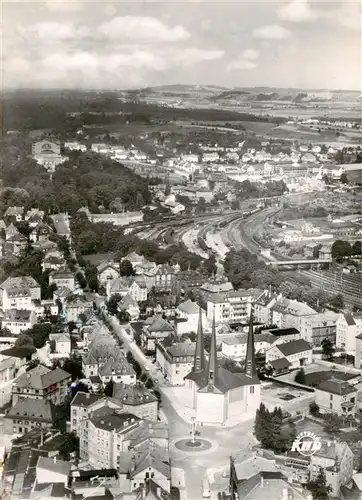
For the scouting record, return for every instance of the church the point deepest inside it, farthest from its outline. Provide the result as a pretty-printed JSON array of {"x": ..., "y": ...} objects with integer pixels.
[{"x": 216, "y": 393}]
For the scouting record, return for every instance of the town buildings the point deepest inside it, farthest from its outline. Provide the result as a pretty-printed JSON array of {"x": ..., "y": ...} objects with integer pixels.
[
  {"x": 296, "y": 353},
  {"x": 42, "y": 383},
  {"x": 233, "y": 307},
  {"x": 336, "y": 396},
  {"x": 348, "y": 328},
  {"x": 175, "y": 359}
]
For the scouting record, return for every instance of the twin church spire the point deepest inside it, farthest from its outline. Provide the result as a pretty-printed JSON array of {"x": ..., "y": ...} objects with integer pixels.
[{"x": 200, "y": 364}]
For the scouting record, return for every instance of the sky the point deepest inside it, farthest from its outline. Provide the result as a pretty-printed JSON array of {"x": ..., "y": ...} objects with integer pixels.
[{"x": 115, "y": 45}]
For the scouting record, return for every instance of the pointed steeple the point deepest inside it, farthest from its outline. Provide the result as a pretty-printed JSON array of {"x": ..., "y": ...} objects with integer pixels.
[
  {"x": 212, "y": 369},
  {"x": 250, "y": 366},
  {"x": 199, "y": 360}
]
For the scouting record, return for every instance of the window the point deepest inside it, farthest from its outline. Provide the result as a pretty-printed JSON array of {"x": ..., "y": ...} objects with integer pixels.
[
  {"x": 331, "y": 397},
  {"x": 331, "y": 405},
  {"x": 251, "y": 389}
]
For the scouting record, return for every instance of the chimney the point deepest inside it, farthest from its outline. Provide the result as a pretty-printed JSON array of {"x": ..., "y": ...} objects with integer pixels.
[{"x": 262, "y": 482}]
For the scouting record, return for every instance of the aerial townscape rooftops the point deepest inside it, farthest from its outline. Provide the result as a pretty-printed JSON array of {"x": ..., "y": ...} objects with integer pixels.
[{"x": 181, "y": 263}]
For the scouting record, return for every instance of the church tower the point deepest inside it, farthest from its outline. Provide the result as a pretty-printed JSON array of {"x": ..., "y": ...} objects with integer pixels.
[
  {"x": 250, "y": 365},
  {"x": 212, "y": 368},
  {"x": 199, "y": 359}
]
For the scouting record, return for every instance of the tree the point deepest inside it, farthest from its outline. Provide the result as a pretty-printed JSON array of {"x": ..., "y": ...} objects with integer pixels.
[
  {"x": 113, "y": 303},
  {"x": 23, "y": 339},
  {"x": 68, "y": 446},
  {"x": 319, "y": 488},
  {"x": 272, "y": 431},
  {"x": 356, "y": 248},
  {"x": 314, "y": 409},
  {"x": 39, "y": 333},
  {"x": 300, "y": 376},
  {"x": 126, "y": 268},
  {"x": 340, "y": 250},
  {"x": 337, "y": 301},
  {"x": 316, "y": 251},
  {"x": 108, "y": 389},
  {"x": 332, "y": 423},
  {"x": 123, "y": 317},
  {"x": 81, "y": 279},
  {"x": 328, "y": 348},
  {"x": 62, "y": 414},
  {"x": 73, "y": 365},
  {"x": 343, "y": 179}
]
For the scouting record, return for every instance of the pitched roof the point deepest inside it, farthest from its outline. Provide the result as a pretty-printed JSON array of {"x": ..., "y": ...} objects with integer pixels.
[
  {"x": 160, "y": 325},
  {"x": 294, "y": 347},
  {"x": 280, "y": 364},
  {"x": 31, "y": 408},
  {"x": 17, "y": 315},
  {"x": 54, "y": 465},
  {"x": 133, "y": 395},
  {"x": 267, "y": 485},
  {"x": 41, "y": 377},
  {"x": 116, "y": 365},
  {"x": 109, "y": 419},
  {"x": 349, "y": 319},
  {"x": 189, "y": 307},
  {"x": 85, "y": 399},
  {"x": 19, "y": 282},
  {"x": 336, "y": 386}
]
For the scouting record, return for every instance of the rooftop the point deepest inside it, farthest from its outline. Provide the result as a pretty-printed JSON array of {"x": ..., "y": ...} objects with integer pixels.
[
  {"x": 41, "y": 377},
  {"x": 111, "y": 420},
  {"x": 133, "y": 395},
  {"x": 294, "y": 347},
  {"x": 336, "y": 386},
  {"x": 54, "y": 465},
  {"x": 31, "y": 408}
]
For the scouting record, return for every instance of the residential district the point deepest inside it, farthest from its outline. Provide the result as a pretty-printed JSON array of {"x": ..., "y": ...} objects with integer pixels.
[{"x": 181, "y": 342}]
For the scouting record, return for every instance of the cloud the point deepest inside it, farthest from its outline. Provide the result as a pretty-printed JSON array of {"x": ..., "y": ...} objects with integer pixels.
[
  {"x": 250, "y": 54},
  {"x": 53, "y": 31},
  {"x": 65, "y": 6},
  {"x": 241, "y": 64},
  {"x": 297, "y": 11},
  {"x": 271, "y": 32},
  {"x": 142, "y": 29},
  {"x": 247, "y": 60},
  {"x": 189, "y": 56}
]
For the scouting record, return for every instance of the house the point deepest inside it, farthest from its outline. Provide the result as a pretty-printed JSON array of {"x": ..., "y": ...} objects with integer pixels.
[
  {"x": 138, "y": 289},
  {"x": 27, "y": 414},
  {"x": 18, "y": 320},
  {"x": 19, "y": 292},
  {"x": 151, "y": 462},
  {"x": 75, "y": 146},
  {"x": 175, "y": 360},
  {"x": 107, "y": 271},
  {"x": 104, "y": 360},
  {"x": 119, "y": 286},
  {"x": 14, "y": 213},
  {"x": 41, "y": 232},
  {"x": 155, "y": 329},
  {"x": 112, "y": 426},
  {"x": 336, "y": 396},
  {"x": 129, "y": 305},
  {"x": 348, "y": 328},
  {"x": 33, "y": 217},
  {"x": 134, "y": 258},
  {"x": 188, "y": 310},
  {"x": 62, "y": 278},
  {"x": 136, "y": 400},
  {"x": 262, "y": 485},
  {"x": 336, "y": 459},
  {"x": 234, "y": 346},
  {"x": 53, "y": 263},
  {"x": 165, "y": 278},
  {"x": 212, "y": 289},
  {"x": 76, "y": 305},
  {"x": 325, "y": 252},
  {"x": 62, "y": 343},
  {"x": 174, "y": 206},
  {"x": 42, "y": 383},
  {"x": 14, "y": 245},
  {"x": 47, "y": 154},
  {"x": 280, "y": 366},
  {"x": 297, "y": 352},
  {"x": 318, "y": 327},
  {"x": 52, "y": 470},
  {"x": 232, "y": 307},
  {"x": 293, "y": 314},
  {"x": 358, "y": 355}
]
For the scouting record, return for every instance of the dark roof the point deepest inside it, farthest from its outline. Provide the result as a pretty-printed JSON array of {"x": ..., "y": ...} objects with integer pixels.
[
  {"x": 81, "y": 475},
  {"x": 349, "y": 319},
  {"x": 279, "y": 364},
  {"x": 113, "y": 420},
  {"x": 225, "y": 380},
  {"x": 85, "y": 398},
  {"x": 39, "y": 409},
  {"x": 335, "y": 386},
  {"x": 294, "y": 347},
  {"x": 133, "y": 395},
  {"x": 280, "y": 332},
  {"x": 18, "y": 352}
]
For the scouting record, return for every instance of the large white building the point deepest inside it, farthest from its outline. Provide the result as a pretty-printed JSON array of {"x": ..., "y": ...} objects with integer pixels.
[
  {"x": 297, "y": 352},
  {"x": 19, "y": 293},
  {"x": 349, "y": 326},
  {"x": 233, "y": 307},
  {"x": 217, "y": 394}
]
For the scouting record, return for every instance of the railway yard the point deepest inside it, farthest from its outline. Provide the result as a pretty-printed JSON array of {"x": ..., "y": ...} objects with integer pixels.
[{"x": 216, "y": 234}]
